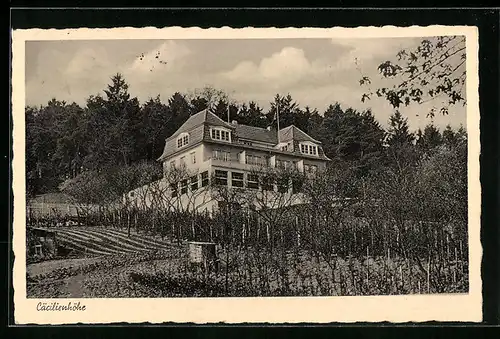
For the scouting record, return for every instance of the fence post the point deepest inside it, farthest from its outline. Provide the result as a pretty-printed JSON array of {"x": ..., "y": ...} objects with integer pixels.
[
  {"x": 447, "y": 247},
  {"x": 367, "y": 265},
  {"x": 461, "y": 259},
  {"x": 409, "y": 274},
  {"x": 401, "y": 276},
  {"x": 455, "y": 267},
  {"x": 267, "y": 232},
  {"x": 258, "y": 228},
  {"x": 298, "y": 231},
  {"x": 429, "y": 275}
]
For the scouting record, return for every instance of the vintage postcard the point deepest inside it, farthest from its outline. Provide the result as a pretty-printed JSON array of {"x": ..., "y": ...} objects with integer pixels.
[{"x": 298, "y": 175}]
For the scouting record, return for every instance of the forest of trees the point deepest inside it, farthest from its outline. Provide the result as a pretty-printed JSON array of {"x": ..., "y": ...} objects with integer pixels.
[{"x": 115, "y": 130}]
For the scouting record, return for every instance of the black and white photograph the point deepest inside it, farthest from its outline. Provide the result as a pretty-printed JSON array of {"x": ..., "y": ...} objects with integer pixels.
[{"x": 247, "y": 168}]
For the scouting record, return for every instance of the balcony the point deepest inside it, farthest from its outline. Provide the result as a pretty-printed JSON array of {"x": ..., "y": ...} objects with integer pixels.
[{"x": 230, "y": 163}]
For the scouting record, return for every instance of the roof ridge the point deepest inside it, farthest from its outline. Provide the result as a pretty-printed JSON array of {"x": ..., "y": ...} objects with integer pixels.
[
  {"x": 289, "y": 126},
  {"x": 263, "y": 128},
  {"x": 216, "y": 117},
  {"x": 202, "y": 111}
]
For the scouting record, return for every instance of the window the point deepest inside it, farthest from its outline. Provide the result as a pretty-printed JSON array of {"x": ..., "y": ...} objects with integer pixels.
[
  {"x": 310, "y": 168},
  {"x": 204, "y": 179},
  {"x": 172, "y": 164},
  {"x": 283, "y": 164},
  {"x": 221, "y": 177},
  {"x": 254, "y": 160},
  {"x": 253, "y": 181},
  {"x": 183, "y": 161},
  {"x": 221, "y": 155},
  {"x": 287, "y": 147},
  {"x": 184, "y": 188},
  {"x": 182, "y": 140},
  {"x": 237, "y": 179},
  {"x": 193, "y": 158},
  {"x": 194, "y": 183},
  {"x": 219, "y": 134},
  {"x": 313, "y": 150},
  {"x": 309, "y": 149},
  {"x": 173, "y": 190}
]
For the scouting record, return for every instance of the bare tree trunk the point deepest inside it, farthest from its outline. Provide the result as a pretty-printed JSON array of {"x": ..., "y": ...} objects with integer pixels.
[{"x": 128, "y": 223}]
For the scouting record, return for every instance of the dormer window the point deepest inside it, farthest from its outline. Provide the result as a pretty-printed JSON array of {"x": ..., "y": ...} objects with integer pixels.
[
  {"x": 220, "y": 134},
  {"x": 285, "y": 147},
  {"x": 182, "y": 140},
  {"x": 309, "y": 149}
]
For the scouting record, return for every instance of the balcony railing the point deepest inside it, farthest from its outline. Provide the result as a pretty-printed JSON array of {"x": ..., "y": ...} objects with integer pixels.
[
  {"x": 222, "y": 156},
  {"x": 255, "y": 161}
]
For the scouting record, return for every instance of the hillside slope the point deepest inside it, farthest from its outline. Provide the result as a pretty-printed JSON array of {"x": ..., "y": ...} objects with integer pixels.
[{"x": 105, "y": 241}]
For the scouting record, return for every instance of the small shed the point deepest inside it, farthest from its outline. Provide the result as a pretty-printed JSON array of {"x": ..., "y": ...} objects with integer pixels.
[
  {"x": 203, "y": 254},
  {"x": 42, "y": 241}
]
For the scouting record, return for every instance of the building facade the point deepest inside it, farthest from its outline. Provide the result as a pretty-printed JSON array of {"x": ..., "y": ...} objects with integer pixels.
[{"x": 206, "y": 149}]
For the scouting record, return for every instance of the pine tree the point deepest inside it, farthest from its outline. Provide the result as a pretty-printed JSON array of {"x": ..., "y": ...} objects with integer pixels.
[
  {"x": 353, "y": 137},
  {"x": 156, "y": 116},
  {"x": 115, "y": 127},
  {"x": 429, "y": 139},
  {"x": 398, "y": 132},
  {"x": 180, "y": 109},
  {"x": 252, "y": 115},
  {"x": 287, "y": 109},
  {"x": 401, "y": 152}
]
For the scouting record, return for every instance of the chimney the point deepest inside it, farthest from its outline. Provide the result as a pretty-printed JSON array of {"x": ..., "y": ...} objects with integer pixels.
[{"x": 235, "y": 122}]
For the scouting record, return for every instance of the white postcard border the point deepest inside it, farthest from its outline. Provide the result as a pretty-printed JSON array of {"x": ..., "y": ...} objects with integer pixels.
[{"x": 417, "y": 308}]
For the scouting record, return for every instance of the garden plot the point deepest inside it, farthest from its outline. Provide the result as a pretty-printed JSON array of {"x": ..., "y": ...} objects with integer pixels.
[{"x": 101, "y": 241}]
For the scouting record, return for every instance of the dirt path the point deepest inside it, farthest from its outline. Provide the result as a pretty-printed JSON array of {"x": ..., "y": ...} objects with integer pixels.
[
  {"x": 74, "y": 287},
  {"x": 46, "y": 267}
]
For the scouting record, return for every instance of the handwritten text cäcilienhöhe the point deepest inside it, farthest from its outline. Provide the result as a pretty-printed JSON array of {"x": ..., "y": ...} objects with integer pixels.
[{"x": 55, "y": 306}]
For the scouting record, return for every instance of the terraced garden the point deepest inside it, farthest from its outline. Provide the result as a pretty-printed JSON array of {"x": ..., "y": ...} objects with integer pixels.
[
  {"x": 100, "y": 254},
  {"x": 105, "y": 241}
]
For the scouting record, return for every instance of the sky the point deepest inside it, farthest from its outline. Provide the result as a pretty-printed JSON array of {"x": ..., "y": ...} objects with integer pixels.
[{"x": 315, "y": 72}]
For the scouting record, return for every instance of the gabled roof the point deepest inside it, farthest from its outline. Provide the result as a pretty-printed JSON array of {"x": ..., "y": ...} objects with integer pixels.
[
  {"x": 202, "y": 117},
  {"x": 256, "y": 133},
  {"x": 197, "y": 124},
  {"x": 294, "y": 133}
]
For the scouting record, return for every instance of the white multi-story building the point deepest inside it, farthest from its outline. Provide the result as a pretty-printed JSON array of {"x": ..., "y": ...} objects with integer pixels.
[{"x": 208, "y": 148}]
